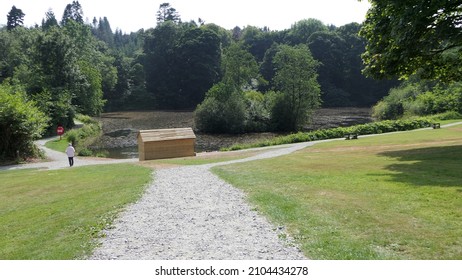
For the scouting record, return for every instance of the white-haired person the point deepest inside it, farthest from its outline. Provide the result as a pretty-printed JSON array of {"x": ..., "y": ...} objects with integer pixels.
[{"x": 70, "y": 151}]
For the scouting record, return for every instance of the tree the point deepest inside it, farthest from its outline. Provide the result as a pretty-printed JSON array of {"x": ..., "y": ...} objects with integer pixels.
[
  {"x": 298, "y": 88},
  {"x": 301, "y": 31},
  {"x": 21, "y": 122},
  {"x": 15, "y": 18},
  {"x": 267, "y": 67},
  {"x": 73, "y": 12},
  {"x": 240, "y": 68},
  {"x": 363, "y": 91},
  {"x": 406, "y": 36},
  {"x": 103, "y": 31},
  {"x": 159, "y": 64},
  {"x": 329, "y": 49},
  {"x": 198, "y": 57},
  {"x": 257, "y": 40},
  {"x": 167, "y": 13},
  {"x": 15, "y": 50},
  {"x": 49, "y": 21},
  {"x": 222, "y": 111},
  {"x": 223, "y": 34},
  {"x": 182, "y": 62}
]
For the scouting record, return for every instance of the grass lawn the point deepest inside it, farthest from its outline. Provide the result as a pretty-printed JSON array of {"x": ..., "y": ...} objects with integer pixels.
[
  {"x": 57, "y": 145},
  {"x": 202, "y": 158},
  {"x": 58, "y": 214},
  {"x": 395, "y": 196}
]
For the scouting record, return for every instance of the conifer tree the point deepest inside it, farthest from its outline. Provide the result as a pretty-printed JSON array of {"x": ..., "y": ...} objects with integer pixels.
[{"x": 15, "y": 18}]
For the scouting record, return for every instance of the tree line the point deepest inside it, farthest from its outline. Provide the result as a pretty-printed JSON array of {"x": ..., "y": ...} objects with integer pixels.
[
  {"x": 68, "y": 66},
  {"x": 172, "y": 65}
]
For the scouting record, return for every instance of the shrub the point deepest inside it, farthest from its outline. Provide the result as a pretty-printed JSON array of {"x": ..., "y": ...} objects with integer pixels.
[
  {"x": 222, "y": 111},
  {"x": 83, "y": 137},
  {"x": 86, "y": 119},
  {"x": 257, "y": 117},
  {"x": 21, "y": 122},
  {"x": 450, "y": 115},
  {"x": 85, "y": 152},
  {"x": 419, "y": 98},
  {"x": 72, "y": 137},
  {"x": 339, "y": 132}
]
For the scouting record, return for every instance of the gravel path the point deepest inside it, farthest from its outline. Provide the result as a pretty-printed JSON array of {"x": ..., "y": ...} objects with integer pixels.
[{"x": 190, "y": 213}]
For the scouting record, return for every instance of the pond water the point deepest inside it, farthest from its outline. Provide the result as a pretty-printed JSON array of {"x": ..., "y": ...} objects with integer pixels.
[{"x": 120, "y": 129}]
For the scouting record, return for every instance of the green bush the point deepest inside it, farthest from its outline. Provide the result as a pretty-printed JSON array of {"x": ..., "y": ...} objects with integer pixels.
[
  {"x": 21, "y": 122},
  {"x": 339, "y": 132},
  {"x": 86, "y": 119},
  {"x": 450, "y": 115},
  {"x": 85, "y": 152},
  {"x": 83, "y": 137},
  {"x": 394, "y": 104},
  {"x": 441, "y": 99},
  {"x": 72, "y": 137},
  {"x": 419, "y": 98},
  {"x": 257, "y": 117},
  {"x": 222, "y": 111}
]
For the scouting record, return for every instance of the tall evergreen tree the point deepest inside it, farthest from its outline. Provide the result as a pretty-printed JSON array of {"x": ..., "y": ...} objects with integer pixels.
[
  {"x": 104, "y": 32},
  {"x": 49, "y": 20},
  {"x": 15, "y": 18},
  {"x": 73, "y": 12},
  {"x": 167, "y": 13}
]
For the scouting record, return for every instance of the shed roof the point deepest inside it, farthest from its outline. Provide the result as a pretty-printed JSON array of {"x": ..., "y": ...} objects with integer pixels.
[{"x": 156, "y": 135}]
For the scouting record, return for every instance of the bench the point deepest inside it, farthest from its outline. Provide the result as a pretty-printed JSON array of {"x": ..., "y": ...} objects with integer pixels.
[
  {"x": 351, "y": 136},
  {"x": 436, "y": 125}
]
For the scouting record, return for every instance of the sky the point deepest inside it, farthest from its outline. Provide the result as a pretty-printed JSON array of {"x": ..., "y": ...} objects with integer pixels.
[{"x": 130, "y": 16}]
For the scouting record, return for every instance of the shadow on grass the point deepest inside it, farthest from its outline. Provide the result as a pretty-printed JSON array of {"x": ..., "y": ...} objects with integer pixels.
[{"x": 435, "y": 166}]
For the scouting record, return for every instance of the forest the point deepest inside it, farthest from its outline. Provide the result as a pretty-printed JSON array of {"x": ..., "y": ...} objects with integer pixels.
[
  {"x": 240, "y": 80},
  {"x": 171, "y": 66}
]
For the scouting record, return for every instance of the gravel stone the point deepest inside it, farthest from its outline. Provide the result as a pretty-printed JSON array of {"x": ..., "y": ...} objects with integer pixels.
[{"x": 190, "y": 213}]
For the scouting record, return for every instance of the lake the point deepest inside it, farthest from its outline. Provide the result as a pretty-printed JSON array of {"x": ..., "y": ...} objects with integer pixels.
[{"x": 120, "y": 128}]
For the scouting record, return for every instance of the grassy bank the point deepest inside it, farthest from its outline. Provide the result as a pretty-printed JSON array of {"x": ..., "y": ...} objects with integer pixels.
[
  {"x": 87, "y": 132},
  {"x": 362, "y": 129},
  {"x": 58, "y": 214},
  {"x": 396, "y": 196}
]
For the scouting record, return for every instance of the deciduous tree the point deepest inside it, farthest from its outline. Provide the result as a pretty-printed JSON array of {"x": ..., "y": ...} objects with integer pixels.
[
  {"x": 298, "y": 88},
  {"x": 407, "y": 36},
  {"x": 239, "y": 66}
]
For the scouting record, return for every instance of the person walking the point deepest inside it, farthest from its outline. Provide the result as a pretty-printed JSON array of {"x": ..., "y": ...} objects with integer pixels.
[{"x": 70, "y": 151}]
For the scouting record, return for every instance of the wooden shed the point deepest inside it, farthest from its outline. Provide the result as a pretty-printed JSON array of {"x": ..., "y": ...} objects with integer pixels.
[{"x": 166, "y": 143}]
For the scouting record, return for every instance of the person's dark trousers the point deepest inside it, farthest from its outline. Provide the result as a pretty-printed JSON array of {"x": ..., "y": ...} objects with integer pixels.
[{"x": 71, "y": 161}]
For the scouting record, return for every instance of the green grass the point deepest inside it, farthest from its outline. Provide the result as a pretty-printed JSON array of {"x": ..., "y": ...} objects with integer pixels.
[
  {"x": 58, "y": 214},
  {"x": 396, "y": 196},
  {"x": 57, "y": 145},
  {"x": 206, "y": 158}
]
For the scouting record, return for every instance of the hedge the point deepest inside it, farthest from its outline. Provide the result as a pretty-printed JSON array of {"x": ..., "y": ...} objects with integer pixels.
[{"x": 339, "y": 132}]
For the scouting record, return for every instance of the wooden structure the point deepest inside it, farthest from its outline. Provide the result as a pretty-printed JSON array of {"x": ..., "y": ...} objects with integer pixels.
[{"x": 166, "y": 143}]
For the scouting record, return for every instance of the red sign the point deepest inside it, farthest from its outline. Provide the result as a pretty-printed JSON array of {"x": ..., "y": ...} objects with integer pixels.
[{"x": 60, "y": 130}]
